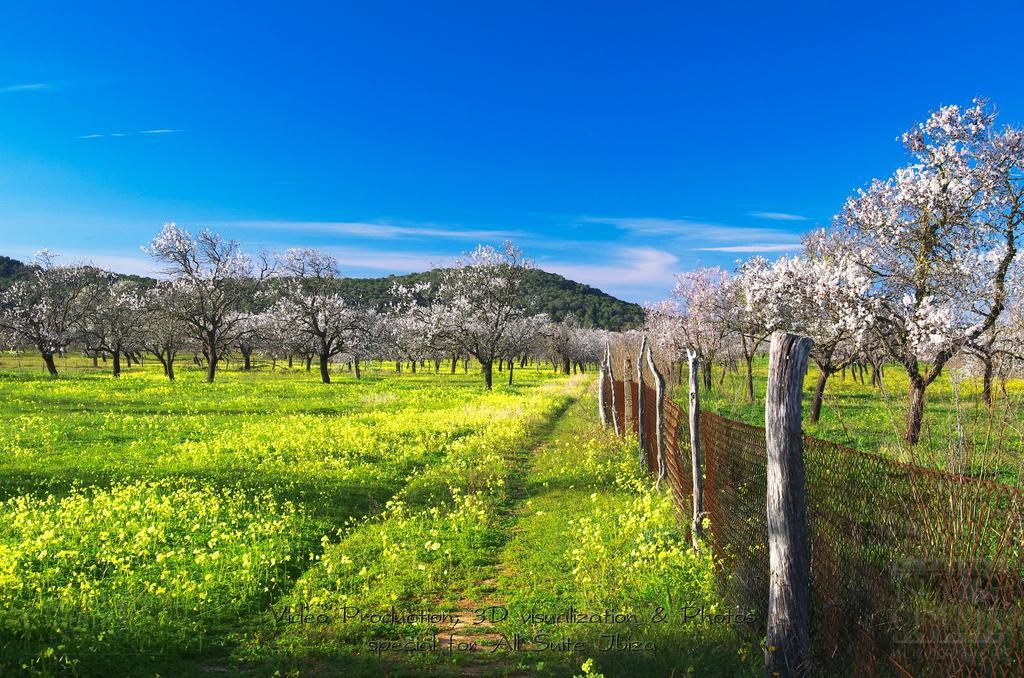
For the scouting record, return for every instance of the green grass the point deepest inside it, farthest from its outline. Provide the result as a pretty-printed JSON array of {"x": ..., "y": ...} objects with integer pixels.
[
  {"x": 149, "y": 527},
  {"x": 960, "y": 433}
]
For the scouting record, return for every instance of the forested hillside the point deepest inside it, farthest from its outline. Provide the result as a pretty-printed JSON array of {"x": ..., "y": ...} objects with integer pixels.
[{"x": 544, "y": 293}]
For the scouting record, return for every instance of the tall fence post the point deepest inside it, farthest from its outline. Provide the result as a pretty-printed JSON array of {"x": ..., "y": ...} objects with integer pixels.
[
  {"x": 641, "y": 406},
  {"x": 696, "y": 458},
  {"x": 787, "y": 641},
  {"x": 611, "y": 385},
  {"x": 602, "y": 387},
  {"x": 659, "y": 412}
]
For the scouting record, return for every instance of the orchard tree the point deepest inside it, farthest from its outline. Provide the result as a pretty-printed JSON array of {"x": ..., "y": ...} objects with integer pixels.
[
  {"x": 311, "y": 304},
  {"x": 937, "y": 242},
  {"x": 743, "y": 312},
  {"x": 706, "y": 315},
  {"x": 214, "y": 285},
  {"x": 816, "y": 294},
  {"x": 47, "y": 308},
  {"x": 162, "y": 334},
  {"x": 114, "y": 324},
  {"x": 477, "y": 304}
]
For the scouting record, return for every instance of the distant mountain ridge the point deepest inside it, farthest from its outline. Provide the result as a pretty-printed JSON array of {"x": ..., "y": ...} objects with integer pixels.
[{"x": 544, "y": 293}]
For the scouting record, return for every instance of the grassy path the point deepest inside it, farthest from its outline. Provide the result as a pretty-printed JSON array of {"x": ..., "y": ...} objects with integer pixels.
[{"x": 580, "y": 529}]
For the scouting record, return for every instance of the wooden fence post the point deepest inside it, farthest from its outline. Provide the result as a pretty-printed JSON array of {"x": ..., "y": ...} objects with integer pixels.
[
  {"x": 696, "y": 458},
  {"x": 659, "y": 412},
  {"x": 602, "y": 385},
  {"x": 641, "y": 406},
  {"x": 787, "y": 641},
  {"x": 619, "y": 426}
]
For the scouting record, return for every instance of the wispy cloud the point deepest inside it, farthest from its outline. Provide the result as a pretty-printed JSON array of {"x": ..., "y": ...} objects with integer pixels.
[
  {"x": 378, "y": 230},
  {"x": 634, "y": 272},
  {"x": 128, "y": 134},
  {"x": 358, "y": 259},
  {"x": 28, "y": 87},
  {"x": 754, "y": 248},
  {"x": 53, "y": 85},
  {"x": 688, "y": 232},
  {"x": 111, "y": 261},
  {"x": 647, "y": 225},
  {"x": 779, "y": 216}
]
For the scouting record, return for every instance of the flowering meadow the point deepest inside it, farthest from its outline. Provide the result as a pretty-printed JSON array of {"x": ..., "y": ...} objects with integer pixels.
[{"x": 175, "y": 528}]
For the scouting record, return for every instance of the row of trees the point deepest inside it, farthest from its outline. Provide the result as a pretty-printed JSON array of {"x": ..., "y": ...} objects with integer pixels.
[
  {"x": 918, "y": 269},
  {"x": 215, "y": 300}
]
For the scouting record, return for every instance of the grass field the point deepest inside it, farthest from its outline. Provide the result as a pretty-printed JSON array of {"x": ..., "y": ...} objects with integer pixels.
[
  {"x": 960, "y": 432},
  {"x": 184, "y": 528}
]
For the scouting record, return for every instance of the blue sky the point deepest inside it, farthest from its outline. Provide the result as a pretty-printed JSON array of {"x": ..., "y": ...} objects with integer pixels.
[{"x": 616, "y": 143}]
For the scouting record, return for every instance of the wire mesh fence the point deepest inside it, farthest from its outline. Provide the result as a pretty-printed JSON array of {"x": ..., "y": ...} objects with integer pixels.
[{"x": 914, "y": 571}]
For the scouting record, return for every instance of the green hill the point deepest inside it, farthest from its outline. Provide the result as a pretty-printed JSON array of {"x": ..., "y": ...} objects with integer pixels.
[{"x": 544, "y": 293}]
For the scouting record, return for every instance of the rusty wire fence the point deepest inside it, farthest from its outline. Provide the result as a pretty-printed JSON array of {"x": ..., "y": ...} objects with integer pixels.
[{"x": 914, "y": 572}]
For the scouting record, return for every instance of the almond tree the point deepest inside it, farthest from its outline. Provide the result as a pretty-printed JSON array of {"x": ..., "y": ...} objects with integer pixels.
[
  {"x": 707, "y": 315},
  {"x": 162, "y": 334},
  {"x": 214, "y": 283},
  {"x": 47, "y": 308},
  {"x": 817, "y": 294},
  {"x": 743, "y": 315},
  {"x": 476, "y": 304},
  {"x": 937, "y": 242},
  {"x": 114, "y": 324},
  {"x": 311, "y": 305}
]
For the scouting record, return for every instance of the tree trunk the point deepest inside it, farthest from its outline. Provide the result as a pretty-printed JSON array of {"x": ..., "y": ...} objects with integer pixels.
[
  {"x": 355, "y": 364},
  {"x": 915, "y": 412},
  {"x": 117, "y": 363},
  {"x": 787, "y": 643},
  {"x": 325, "y": 376},
  {"x": 511, "y": 368},
  {"x": 398, "y": 366},
  {"x": 170, "y": 366},
  {"x": 986, "y": 389},
  {"x": 290, "y": 361},
  {"x": 465, "y": 365},
  {"x": 488, "y": 369},
  {"x": 246, "y": 360},
  {"x": 211, "y": 367},
  {"x": 819, "y": 393},
  {"x": 51, "y": 367},
  {"x": 750, "y": 376},
  {"x": 95, "y": 361},
  {"x": 455, "y": 363},
  {"x": 565, "y": 366}
]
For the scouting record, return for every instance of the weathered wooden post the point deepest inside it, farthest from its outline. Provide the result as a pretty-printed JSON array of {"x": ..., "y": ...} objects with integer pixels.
[
  {"x": 787, "y": 641},
  {"x": 696, "y": 458},
  {"x": 614, "y": 403},
  {"x": 659, "y": 412},
  {"x": 602, "y": 387},
  {"x": 641, "y": 405}
]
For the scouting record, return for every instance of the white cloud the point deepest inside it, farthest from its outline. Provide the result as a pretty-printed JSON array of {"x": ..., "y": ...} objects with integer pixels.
[
  {"x": 381, "y": 230},
  {"x": 387, "y": 261},
  {"x": 779, "y": 216},
  {"x": 635, "y": 267},
  {"x": 118, "y": 263},
  {"x": 647, "y": 225},
  {"x": 28, "y": 87},
  {"x": 754, "y": 247},
  {"x": 689, "y": 229},
  {"x": 128, "y": 134}
]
